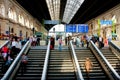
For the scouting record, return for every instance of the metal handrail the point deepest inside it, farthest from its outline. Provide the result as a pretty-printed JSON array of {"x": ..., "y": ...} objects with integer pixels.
[
  {"x": 106, "y": 61},
  {"x": 44, "y": 72},
  {"x": 115, "y": 46},
  {"x": 11, "y": 70},
  {"x": 79, "y": 73},
  {"x": 6, "y": 42}
]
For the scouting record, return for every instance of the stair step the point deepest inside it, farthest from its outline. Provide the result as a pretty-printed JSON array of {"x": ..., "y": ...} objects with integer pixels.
[
  {"x": 96, "y": 73},
  {"x": 61, "y": 78},
  {"x": 34, "y": 67},
  {"x": 28, "y": 78},
  {"x": 60, "y": 66}
]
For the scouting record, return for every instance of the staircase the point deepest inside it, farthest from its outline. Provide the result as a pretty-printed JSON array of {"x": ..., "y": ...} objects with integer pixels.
[
  {"x": 96, "y": 73},
  {"x": 60, "y": 66},
  {"x": 3, "y": 69},
  {"x": 112, "y": 58},
  {"x": 1, "y": 66},
  {"x": 34, "y": 67}
]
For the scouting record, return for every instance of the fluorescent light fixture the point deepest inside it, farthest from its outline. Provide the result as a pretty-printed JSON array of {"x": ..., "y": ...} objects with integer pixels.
[
  {"x": 71, "y": 8},
  {"x": 54, "y": 8}
]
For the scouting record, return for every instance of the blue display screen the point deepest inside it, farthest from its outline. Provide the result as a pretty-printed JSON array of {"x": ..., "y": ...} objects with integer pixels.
[
  {"x": 74, "y": 28},
  {"x": 70, "y": 28},
  {"x": 82, "y": 28}
]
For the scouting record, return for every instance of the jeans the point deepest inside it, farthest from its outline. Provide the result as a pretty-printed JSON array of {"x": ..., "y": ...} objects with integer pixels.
[{"x": 60, "y": 47}]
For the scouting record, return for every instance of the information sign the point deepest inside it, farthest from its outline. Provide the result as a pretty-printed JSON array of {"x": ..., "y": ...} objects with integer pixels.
[
  {"x": 82, "y": 28},
  {"x": 107, "y": 22},
  {"x": 70, "y": 28}
]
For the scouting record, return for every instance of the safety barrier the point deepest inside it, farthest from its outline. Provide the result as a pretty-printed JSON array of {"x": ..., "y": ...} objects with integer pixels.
[
  {"x": 78, "y": 70},
  {"x": 4, "y": 44},
  {"x": 44, "y": 72},
  {"x": 9, "y": 75},
  {"x": 115, "y": 74},
  {"x": 115, "y": 48}
]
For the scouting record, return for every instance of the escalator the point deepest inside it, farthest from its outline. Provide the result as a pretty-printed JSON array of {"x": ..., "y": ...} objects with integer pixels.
[
  {"x": 60, "y": 66},
  {"x": 96, "y": 73},
  {"x": 112, "y": 58},
  {"x": 34, "y": 67}
]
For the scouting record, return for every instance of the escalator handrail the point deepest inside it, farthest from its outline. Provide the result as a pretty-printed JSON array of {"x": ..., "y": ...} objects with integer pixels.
[
  {"x": 80, "y": 76},
  {"x": 6, "y": 42},
  {"x": 12, "y": 67},
  {"x": 106, "y": 61},
  {"x": 115, "y": 46},
  {"x": 44, "y": 72}
]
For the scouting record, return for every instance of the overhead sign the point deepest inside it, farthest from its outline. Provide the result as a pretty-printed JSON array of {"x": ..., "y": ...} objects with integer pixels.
[
  {"x": 71, "y": 28},
  {"x": 107, "y": 22},
  {"x": 38, "y": 33},
  {"x": 51, "y": 21},
  {"x": 82, "y": 28}
]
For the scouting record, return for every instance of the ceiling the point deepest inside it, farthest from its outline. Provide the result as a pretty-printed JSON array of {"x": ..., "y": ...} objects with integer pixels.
[{"x": 88, "y": 10}]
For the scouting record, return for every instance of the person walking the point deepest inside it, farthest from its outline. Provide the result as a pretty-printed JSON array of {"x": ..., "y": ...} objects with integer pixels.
[
  {"x": 4, "y": 52},
  {"x": 52, "y": 44},
  {"x": 66, "y": 40},
  {"x": 38, "y": 41},
  {"x": 88, "y": 66},
  {"x": 77, "y": 42},
  {"x": 60, "y": 43},
  {"x": 24, "y": 62}
]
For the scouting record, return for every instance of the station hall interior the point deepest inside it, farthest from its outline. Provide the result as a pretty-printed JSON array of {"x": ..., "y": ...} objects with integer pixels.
[{"x": 60, "y": 39}]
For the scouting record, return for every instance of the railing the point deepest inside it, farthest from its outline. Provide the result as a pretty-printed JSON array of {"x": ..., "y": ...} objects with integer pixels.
[
  {"x": 78, "y": 73},
  {"x": 4, "y": 44},
  {"x": 115, "y": 47},
  {"x": 117, "y": 77},
  {"x": 9, "y": 75},
  {"x": 44, "y": 72}
]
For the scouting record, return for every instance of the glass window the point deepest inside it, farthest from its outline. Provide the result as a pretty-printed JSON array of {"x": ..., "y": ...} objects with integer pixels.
[
  {"x": 31, "y": 25},
  {"x": 71, "y": 8},
  {"x": 54, "y": 8},
  {"x": 27, "y": 23},
  {"x": 114, "y": 18},
  {"x": 14, "y": 16},
  {"x": 10, "y": 13},
  {"x": 21, "y": 19},
  {"x": 2, "y": 10}
]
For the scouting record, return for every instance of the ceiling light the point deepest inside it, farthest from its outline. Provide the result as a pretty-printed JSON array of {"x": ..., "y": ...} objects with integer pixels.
[
  {"x": 54, "y": 8},
  {"x": 71, "y": 8}
]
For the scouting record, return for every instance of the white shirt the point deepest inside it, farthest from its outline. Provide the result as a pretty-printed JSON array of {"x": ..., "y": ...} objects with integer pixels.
[
  {"x": 14, "y": 43},
  {"x": 100, "y": 38},
  {"x": 18, "y": 45}
]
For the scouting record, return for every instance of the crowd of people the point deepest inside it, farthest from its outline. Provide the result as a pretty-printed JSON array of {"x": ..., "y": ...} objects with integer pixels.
[
  {"x": 85, "y": 39},
  {"x": 99, "y": 41},
  {"x": 80, "y": 41},
  {"x": 35, "y": 41},
  {"x": 17, "y": 43},
  {"x": 9, "y": 51}
]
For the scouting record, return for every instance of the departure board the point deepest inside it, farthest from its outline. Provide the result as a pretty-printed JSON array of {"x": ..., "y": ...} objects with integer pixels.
[
  {"x": 71, "y": 28},
  {"x": 82, "y": 28}
]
